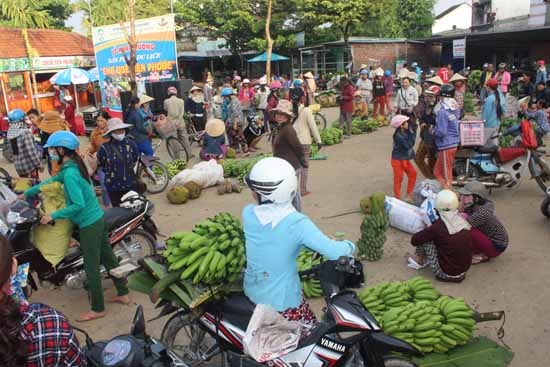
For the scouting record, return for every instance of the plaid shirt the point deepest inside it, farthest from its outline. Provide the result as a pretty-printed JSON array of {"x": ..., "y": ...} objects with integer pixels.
[
  {"x": 50, "y": 339},
  {"x": 28, "y": 156}
]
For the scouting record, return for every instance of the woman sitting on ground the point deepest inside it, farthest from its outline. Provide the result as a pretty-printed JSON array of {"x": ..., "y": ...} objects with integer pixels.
[
  {"x": 489, "y": 237},
  {"x": 214, "y": 141},
  {"x": 31, "y": 334},
  {"x": 254, "y": 131},
  {"x": 445, "y": 246}
]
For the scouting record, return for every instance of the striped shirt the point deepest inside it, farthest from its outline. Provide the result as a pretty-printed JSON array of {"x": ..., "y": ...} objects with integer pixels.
[{"x": 483, "y": 218}]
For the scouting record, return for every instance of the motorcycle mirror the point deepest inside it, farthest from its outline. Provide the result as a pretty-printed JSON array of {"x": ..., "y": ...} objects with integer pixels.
[{"x": 138, "y": 325}]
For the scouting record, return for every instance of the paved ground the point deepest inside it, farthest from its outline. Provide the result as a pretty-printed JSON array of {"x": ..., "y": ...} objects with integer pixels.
[{"x": 515, "y": 282}]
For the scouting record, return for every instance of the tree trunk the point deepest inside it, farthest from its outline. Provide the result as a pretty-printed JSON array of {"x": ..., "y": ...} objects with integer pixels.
[
  {"x": 269, "y": 42},
  {"x": 132, "y": 42}
]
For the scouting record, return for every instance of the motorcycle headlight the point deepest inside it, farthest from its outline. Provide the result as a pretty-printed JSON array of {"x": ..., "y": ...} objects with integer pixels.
[
  {"x": 14, "y": 218},
  {"x": 115, "y": 352}
]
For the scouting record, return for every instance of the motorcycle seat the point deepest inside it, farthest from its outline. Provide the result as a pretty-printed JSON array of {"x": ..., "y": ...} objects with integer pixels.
[
  {"x": 237, "y": 309},
  {"x": 509, "y": 154},
  {"x": 115, "y": 217},
  {"x": 488, "y": 149}
]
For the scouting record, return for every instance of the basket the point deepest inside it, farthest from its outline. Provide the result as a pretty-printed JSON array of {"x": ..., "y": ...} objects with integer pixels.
[
  {"x": 165, "y": 128},
  {"x": 315, "y": 108},
  {"x": 471, "y": 133}
]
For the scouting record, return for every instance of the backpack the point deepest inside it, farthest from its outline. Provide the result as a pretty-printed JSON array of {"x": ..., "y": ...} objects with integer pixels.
[{"x": 528, "y": 137}]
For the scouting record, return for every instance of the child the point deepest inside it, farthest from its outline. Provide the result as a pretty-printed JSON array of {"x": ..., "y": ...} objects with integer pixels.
[
  {"x": 402, "y": 154},
  {"x": 360, "y": 106},
  {"x": 379, "y": 92},
  {"x": 253, "y": 132}
]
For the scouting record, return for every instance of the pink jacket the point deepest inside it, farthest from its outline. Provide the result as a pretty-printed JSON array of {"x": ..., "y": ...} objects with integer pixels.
[
  {"x": 246, "y": 95},
  {"x": 504, "y": 82}
]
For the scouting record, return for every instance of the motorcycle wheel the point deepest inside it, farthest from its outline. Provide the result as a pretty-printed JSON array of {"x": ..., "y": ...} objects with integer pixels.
[
  {"x": 141, "y": 244},
  {"x": 545, "y": 207},
  {"x": 543, "y": 180},
  {"x": 459, "y": 169},
  {"x": 183, "y": 336},
  {"x": 160, "y": 180}
]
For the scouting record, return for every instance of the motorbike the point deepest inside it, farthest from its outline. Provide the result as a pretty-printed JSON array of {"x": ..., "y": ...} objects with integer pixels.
[
  {"x": 545, "y": 207},
  {"x": 132, "y": 234},
  {"x": 5, "y": 147},
  {"x": 348, "y": 334},
  {"x": 498, "y": 167},
  {"x": 134, "y": 349}
]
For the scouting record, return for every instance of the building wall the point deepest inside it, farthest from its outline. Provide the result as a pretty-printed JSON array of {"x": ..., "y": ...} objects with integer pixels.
[
  {"x": 537, "y": 13},
  {"x": 460, "y": 18},
  {"x": 389, "y": 53},
  {"x": 505, "y": 9}
]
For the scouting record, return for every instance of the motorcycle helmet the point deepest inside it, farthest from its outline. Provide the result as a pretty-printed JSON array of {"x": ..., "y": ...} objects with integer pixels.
[
  {"x": 414, "y": 64},
  {"x": 387, "y": 73},
  {"x": 274, "y": 180},
  {"x": 63, "y": 139},
  {"x": 275, "y": 85},
  {"x": 298, "y": 82},
  {"x": 227, "y": 92},
  {"x": 447, "y": 90},
  {"x": 446, "y": 200},
  {"x": 172, "y": 91},
  {"x": 433, "y": 90},
  {"x": 246, "y": 81},
  {"x": 16, "y": 115}
]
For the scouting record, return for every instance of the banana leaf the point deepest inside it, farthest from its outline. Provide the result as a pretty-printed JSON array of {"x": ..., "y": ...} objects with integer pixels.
[
  {"x": 143, "y": 282},
  {"x": 480, "y": 351}
]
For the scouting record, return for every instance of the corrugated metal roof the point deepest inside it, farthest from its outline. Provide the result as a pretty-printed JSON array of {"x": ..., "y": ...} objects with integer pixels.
[{"x": 363, "y": 40}]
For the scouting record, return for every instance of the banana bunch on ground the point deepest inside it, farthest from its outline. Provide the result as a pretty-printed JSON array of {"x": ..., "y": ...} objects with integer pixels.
[
  {"x": 176, "y": 166},
  {"x": 373, "y": 227},
  {"x": 213, "y": 253},
  {"x": 458, "y": 323},
  {"x": 306, "y": 260},
  {"x": 421, "y": 289},
  {"x": 380, "y": 298}
]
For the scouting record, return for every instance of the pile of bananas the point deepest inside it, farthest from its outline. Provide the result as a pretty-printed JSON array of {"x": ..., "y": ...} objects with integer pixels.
[
  {"x": 306, "y": 260},
  {"x": 213, "y": 253},
  {"x": 373, "y": 227},
  {"x": 415, "y": 312},
  {"x": 176, "y": 166}
]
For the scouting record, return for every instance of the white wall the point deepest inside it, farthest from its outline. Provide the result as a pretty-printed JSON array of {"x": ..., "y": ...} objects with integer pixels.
[
  {"x": 461, "y": 17},
  {"x": 510, "y": 8}
]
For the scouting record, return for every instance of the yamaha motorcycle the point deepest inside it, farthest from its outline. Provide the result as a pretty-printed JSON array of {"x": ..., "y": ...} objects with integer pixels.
[
  {"x": 131, "y": 350},
  {"x": 498, "y": 167},
  {"x": 348, "y": 334},
  {"x": 132, "y": 234}
]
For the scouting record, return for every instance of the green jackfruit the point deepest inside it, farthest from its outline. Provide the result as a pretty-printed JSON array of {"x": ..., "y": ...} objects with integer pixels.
[
  {"x": 177, "y": 195},
  {"x": 194, "y": 189}
]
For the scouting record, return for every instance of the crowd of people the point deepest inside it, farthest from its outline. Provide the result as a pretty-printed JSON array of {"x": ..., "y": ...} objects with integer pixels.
[{"x": 425, "y": 113}]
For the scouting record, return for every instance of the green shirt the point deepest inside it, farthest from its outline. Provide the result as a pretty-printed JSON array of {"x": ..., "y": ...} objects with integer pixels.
[{"x": 82, "y": 206}]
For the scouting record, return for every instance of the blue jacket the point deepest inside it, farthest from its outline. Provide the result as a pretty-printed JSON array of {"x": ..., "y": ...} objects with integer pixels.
[
  {"x": 119, "y": 174},
  {"x": 403, "y": 145},
  {"x": 489, "y": 112},
  {"x": 271, "y": 275},
  {"x": 139, "y": 130},
  {"x": 213, "y": 145},
  {"x": 446, "y": 131}
]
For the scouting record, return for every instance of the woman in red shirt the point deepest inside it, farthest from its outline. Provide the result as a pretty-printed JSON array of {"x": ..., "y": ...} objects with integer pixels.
[
  {"x": 70, "y": 113},
  {"x": 346, "y": 104}
]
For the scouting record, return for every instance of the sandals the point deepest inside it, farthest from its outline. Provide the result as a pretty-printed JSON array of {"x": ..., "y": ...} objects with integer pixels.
[
  {"x": 478, "y": 259},
  {"x": 413, "y": 264}
]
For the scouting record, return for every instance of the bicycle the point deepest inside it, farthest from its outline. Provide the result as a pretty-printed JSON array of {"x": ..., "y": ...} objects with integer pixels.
[
  {"x": 320, "y": 120},
  {"x": 175, "y": 147},
  {"x": 194, "y": 134},
  {"x": 153, "y": 173}
]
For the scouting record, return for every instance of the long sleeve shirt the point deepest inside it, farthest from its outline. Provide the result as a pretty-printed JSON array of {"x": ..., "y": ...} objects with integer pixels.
[
  {"x": 504, "y": 80},
  {"x": 117, "y": 159},
  {"x": 271, "y": 275},
  {"x": 27, "y": 158},
  {"x": 483, "y": 218},
  {"x": 541, "y": 118},
  {"x": 175, "y": 108},
  {"x": 446, "y": 132},
  {"x": 407, "y": 99},
  {"x": 287, "y": 146},
  {"x": 82, "y": 207},
  {"x": 489, "y": 112},
  {"x": 306, "y": 127},
  {"x": 139, "y": 130},
  {"x": 403, "y": 144},
  {"x": 541, "y": 75}
]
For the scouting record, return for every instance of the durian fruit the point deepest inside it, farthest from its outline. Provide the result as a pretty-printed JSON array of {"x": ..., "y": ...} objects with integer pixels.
[
  {"x": 177, "y": 195},
  {"x": 194, "y": 189}
]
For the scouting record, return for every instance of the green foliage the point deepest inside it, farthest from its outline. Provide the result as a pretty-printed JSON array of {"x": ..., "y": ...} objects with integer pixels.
[
  {"x": 474, "y": 80},
  {"x": 331, "y": 136},
  {"x": 506, "y": 141},
  {"x": 468, "y": 103},
  {"x": 23, "y": 14},
  {"x": 415, "y": 17}
]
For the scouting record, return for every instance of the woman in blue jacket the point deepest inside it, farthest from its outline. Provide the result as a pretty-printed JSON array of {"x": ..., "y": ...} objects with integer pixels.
[
  {"x": 493, "y": 111},
  {"x": 140, "y": 128},
  {"x": 275, "y": 232}
]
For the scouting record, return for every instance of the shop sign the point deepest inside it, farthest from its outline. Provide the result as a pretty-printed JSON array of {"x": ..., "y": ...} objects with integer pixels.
[
  {"x": 156, "y": 56},
  {"x": 459, "y": 48},
  {"x": 63, "y": 62},
  {"x": 18, "y": 64}
]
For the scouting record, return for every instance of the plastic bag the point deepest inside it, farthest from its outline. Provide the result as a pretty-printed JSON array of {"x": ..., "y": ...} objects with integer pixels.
[
  {"x": 269, "y": 335},
  {"x": 206, "y": 174},
  {"x": 53, "y": 241},
  {"x": 6, "y": 198},
  {"x": 423, "y": 188},
  {"x": 406, "y": 217}
]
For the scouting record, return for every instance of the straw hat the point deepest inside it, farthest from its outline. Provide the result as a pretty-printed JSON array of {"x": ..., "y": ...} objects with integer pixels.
[
  {"x": 144, "y": 98},
  {"x": 194, "y": 88},
  {"x": 379, "y": 72},
  {"x": 357, "y": 93},
  {"x": 403, "y": 73},
  {"x": 215, "y": 128},
  {"x": 457, "y": 77},
  {"x": 285, "y": 107},
  {"x": 308, "y": 75},
  {"x": 51, "y": 122},
  {"x": 115, "y": 124},
  {"x": 435, "y": 80}
]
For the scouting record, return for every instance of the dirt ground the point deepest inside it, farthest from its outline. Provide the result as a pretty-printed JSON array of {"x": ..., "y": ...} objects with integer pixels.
[{"x": 515, "y": 282}]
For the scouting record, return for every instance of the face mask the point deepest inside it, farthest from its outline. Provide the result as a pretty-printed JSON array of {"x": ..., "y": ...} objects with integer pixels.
[
  {"x": 53, "y": 157},
  {"x": 119, "y": 137}
]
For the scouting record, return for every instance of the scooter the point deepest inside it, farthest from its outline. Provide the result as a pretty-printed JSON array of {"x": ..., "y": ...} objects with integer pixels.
[
  {"x": 132, "y": 234},
  {"x": 348, "y": 334},
  {"x": 134, "y": 349},
  {"x": 497, "y": 167},
  {"x": 545, "y": 207}
]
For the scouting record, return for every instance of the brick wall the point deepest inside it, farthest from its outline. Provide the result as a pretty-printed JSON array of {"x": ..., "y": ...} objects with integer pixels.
[{"x": 389, "y": 53}]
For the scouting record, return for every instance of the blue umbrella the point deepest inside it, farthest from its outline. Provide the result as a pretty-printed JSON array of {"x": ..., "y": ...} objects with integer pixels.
[
  {"x": 71, "y": 76},
  {"x": 263, "y": 58},
  {"x": 94, "y": 72}
]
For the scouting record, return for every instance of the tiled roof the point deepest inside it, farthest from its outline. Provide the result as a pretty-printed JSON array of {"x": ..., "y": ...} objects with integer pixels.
[{"x": 47, "y": 42}]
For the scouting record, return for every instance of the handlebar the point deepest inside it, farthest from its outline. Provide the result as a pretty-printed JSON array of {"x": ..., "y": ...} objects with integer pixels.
[{"x": 335, "y": 275}]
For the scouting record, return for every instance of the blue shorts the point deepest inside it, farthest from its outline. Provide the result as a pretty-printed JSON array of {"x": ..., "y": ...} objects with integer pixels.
[{"x": 146, "y": 148}]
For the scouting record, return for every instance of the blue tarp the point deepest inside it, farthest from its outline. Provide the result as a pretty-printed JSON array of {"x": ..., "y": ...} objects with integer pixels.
[{"x": 263, "y": 58}]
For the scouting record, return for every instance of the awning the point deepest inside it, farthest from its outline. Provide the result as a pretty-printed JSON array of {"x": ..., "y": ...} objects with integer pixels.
[
  {"x": 263, "y": 58},
  {"x": 204, "y": 54}
]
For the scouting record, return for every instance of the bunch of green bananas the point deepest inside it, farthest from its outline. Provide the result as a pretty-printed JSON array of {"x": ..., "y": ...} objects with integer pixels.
[
  {"x": 213, "y": 253},
  {"x": 421, "y": 289},
  {"x": 306, "y": 260},
  {"x": 176, "y": 166},
  {"x": 458, "y": 323},
  {"x": 373, "y": 236},
  {"x": 381, "y": 297}
]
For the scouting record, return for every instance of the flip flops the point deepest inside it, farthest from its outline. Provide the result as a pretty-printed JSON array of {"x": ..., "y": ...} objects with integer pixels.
[{"x": 411, "y": 263}]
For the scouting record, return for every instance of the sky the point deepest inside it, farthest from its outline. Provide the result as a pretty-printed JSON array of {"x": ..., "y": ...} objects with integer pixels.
[{"x": 75, "y": 21}]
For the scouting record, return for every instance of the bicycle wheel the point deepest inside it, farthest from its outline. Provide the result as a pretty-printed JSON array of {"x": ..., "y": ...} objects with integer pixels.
[
  {"x": 155, "y": 176},
  {"x": 192, "y": 132},
  {"x": 320, "y": 120},
  {"x": 176, "y": 149}
]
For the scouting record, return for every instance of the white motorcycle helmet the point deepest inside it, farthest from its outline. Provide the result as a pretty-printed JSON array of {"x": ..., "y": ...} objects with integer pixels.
[
  {"x": 274, "y": 180},
  {"x": 446, "y": 200}
]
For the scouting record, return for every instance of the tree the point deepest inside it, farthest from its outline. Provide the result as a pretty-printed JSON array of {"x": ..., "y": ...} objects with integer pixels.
[
  {"x": 269, "y": 40},
  {"x": 58, "y": 11},
  {"x": 415, "y": 17}
]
